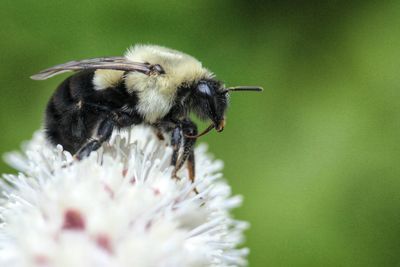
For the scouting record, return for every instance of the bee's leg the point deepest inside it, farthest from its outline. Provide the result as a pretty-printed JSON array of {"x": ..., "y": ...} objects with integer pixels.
[
  {"x": 191, "y": 168},
  {"x": 104, "y": 132},
  {"x": 191, "y": 165},
  {"x": 125, "y": 117},
  {"x": 188, "y": 129},
  {"x": 159, "y": 134},
  {"x": 176, "y": 141}
]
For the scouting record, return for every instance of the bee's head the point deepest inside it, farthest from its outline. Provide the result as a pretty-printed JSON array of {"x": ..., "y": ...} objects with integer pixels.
[{"x": 209, "y": 101}]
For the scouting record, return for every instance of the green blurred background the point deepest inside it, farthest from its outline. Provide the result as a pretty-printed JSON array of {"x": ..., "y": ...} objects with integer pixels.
[{"x": 316, "y": 156}]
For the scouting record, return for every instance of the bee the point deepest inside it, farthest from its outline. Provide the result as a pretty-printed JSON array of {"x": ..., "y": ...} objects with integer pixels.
[{"x": 150, "y": 85}]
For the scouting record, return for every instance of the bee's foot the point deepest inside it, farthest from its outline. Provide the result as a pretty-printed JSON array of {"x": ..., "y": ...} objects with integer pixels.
[{"x": 175, "y": 177}]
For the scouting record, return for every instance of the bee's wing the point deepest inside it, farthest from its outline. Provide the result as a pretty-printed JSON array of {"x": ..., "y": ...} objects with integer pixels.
[{"x": 112, "y": 63}]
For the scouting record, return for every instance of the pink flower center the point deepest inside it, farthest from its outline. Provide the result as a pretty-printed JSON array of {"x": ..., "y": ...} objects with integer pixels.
[{"x": 73, "y": 220}]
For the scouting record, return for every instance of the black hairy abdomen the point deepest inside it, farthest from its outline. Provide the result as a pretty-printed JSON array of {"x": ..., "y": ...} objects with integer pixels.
[{"x": 76, "y": 108}]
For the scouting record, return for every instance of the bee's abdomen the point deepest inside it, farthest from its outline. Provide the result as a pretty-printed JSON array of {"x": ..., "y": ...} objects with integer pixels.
[{"x": 67, "y": 122}]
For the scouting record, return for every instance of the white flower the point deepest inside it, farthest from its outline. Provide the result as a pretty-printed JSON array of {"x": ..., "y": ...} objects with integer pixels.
[{"x": 117, "y": 208}]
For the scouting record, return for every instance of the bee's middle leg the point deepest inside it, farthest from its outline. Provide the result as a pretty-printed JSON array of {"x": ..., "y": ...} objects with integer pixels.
[{"x": 176, "y": 143}]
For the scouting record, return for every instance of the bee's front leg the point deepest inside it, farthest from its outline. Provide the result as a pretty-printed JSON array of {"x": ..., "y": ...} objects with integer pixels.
[{"x": 187, "y": 128}]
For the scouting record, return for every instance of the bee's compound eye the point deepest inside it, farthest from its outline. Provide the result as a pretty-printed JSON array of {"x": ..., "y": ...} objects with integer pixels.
[{"x": 203, "y": 88}]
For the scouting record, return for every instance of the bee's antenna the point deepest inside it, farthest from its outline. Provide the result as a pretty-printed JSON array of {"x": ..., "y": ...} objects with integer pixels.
[
  {"x": 245, "y": 88},
  {"x": 209, "y": 128}
]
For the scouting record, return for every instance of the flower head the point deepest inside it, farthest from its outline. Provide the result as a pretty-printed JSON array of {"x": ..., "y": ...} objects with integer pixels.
[{"x": 119, "y": 207}]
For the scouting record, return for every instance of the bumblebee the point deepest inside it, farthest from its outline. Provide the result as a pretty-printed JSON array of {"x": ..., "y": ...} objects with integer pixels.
[{"x": 150, "y": 85}]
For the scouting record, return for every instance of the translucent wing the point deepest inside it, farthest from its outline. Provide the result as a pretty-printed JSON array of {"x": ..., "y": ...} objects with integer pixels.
[{"x": 111, "y": 63}]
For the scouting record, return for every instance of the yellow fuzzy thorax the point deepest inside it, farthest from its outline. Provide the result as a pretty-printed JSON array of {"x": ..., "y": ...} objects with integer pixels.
[
  {"x": 179, "y": 68},
  {"x": 156, "y": 93}
]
